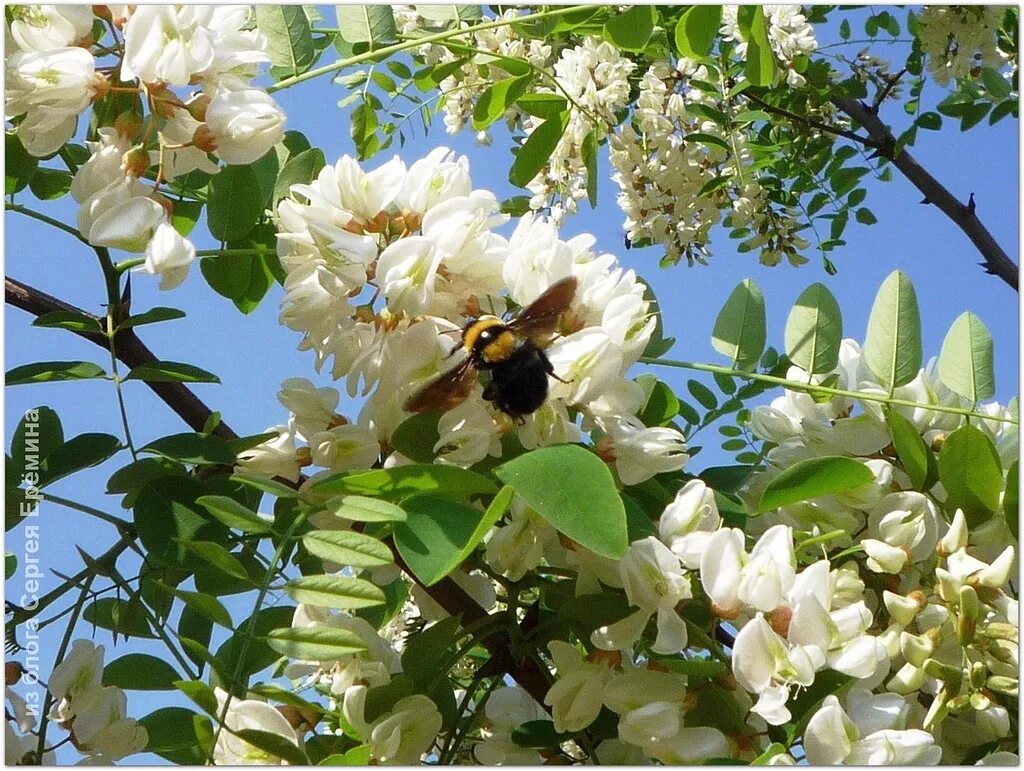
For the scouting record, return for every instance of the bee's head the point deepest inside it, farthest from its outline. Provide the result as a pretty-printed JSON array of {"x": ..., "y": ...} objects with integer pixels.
[{"x": 483, "y": 337}]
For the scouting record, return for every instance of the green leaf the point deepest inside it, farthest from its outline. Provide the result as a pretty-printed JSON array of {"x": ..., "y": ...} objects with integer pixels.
[
  {"x": 931, "y": 121},
  {"x": 844, "y": 29},
  {"x": 497, "y": 98},
  {"x": 52, "y": 371},
  {"x": 434, "y": 538},
  {"x": 19, "y": 165},
  {"x": 542, "y": 105},
  {"x": 121, "y": 616},
  {"x": 347, "y": 548},
  {"x": 631, "y": 30},
  {"x": 140, "y": 672},
  {"x": 865, "y": 216},
  {"x": 172, "y": 735},
  {"x": 573, "y": 490},
  {"x": 38, "y": 433},
  {"x": 166, "y": 513},
  {"x": 775, "y": 748},
  {"x": 362, "y": 509},
  {"x": 997, "y": 86},
  {"x": 289, "y": 37},
  {"x": 537, "y": 149},
  {"x": 235, "y": 203},
  {"x": 814, "y": 330},
  {"x": 588, "y": 154},
  {"x": 192, "y": 448},
  {"x": 171, "y": 372},
  {"x": 444, "y": 481},
  {"x": 152, "y": 316},
  {"x": 966, "y": 363},
  {"x": 893, "y": 346},
  {"x": 449, "y": 14},
  {"x": 275, "y": 745},
  {"x": 363, "y": 129},
  {"x": 299, "y": 169},
  {"x": 760, "y": 63},
  {"x": 1011, "y": 501},
  {"x": 417, "y": 436},
  {"x": 217, "y": 556},
  {"x": 205, "y": 605},
  {"x": 315, "y": 643},
  {"x": 334, "y": 592},
  {"x": 185, "y": 215},
  {"x": 10, "y": 565},
  {"x": 740, "y": 329},
  {"x": 70, "y": 320},
  {"x": 424, "y": 656},
  {"x": 79, "y": 452},
  {"x": 917, "y": 460},
  {"x": 970, "y": 470},
  {"x": 845, "y": 179},
  {"x": 231, "y": 513},
  {"x": 662, "y": 405},
  {"x": 50, "y": 184},
  {"x": 813, "y": 478},
  {"x": 201, "y": 695},
  {"x": 697, "y": 29},
  {"x": 538, "y": 735},
  {"x": 373, "y": 24},
  {"x": 254, "y": 480},
  {"x": 702, "y": 394}
]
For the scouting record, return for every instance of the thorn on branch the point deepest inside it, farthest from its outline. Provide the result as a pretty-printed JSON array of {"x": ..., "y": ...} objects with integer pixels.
[
  {"x": 926, "y": 200},
  {"x": 970, "y": 204}
]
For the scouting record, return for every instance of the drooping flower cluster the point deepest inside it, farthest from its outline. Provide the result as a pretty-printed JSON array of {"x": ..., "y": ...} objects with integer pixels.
[
  {"x": 789, "y": 34},
  {"x": 53, "y": 76},
  {"x": 383, "y": 269},
  {"x": 94, "y": 714},
  {"x": 678, "y": 171},
  {"x": 959, "y": 40}
]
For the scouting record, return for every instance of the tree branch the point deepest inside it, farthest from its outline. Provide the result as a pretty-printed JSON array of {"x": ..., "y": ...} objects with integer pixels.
[
  {"x": 997, "y": 262},
  {"x": 131, "y": 350}
]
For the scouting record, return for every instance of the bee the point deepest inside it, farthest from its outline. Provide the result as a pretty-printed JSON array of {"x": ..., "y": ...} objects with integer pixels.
[{"x": 513, "y": 353}]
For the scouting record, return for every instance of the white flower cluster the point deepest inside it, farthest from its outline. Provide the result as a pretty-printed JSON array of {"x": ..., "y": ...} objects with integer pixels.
[
  {"x": 94, "y": 714},
  {"x": 52, "y": 77},
  {"x": 789, "y": 34},
  {"x": 674, "y": 188},
  {"x": 959, "y": 40},
  {"x": 383, "y": 269}
]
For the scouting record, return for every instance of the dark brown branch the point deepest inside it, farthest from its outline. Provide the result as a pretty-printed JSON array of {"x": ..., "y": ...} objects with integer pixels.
[
  {"x": 804, "y": 120},
  {"x": 131, "y": 350},
  {"x": 997, "y": 262}
]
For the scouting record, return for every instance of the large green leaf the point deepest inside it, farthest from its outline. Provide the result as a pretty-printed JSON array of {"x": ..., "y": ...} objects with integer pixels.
[
  {"x": 338, "y": 592},
  {"x": 917, "y": 459},
  {"x": 760, "y": 63},
  {"x": 362, "y": 509},
  {"x": 971, "y": 473},
  {"x": 574, "y": 490},
  {"x": 396, "y": 483},
  {"x": 233, "y": 514},
  {"x": 167, "y": 513},
  {"x": 373, "y": 24},
  {"x": 497, "y": 98},
  {"x": 449, "y": 14},
  {"x": 740, "y": 329},
  {"x": 813, "y": 478},
  {"x": 814, "y": 330},
  {"x": 216, "y": 555},
  {"x": 79, "y": 452},
  {"x": 37, "y": 434},
  {"x": 172, "y": 735},
  {"x": 966, "y": 361},
  {"x": 300, "y": 169},
  {"x": 696, "y": 30},
  {"x": 345, "y": 547},
  {"x": 537, "y": 149},
  {"x": 19, "y": 165},
  {"x": 275, "y": 745},
  {"x": 70, "y": 320},
  {"x": 140, "y": 672},
  {"x": 51, "y": 371},
  {"x": 171, "y": 372},
  {"x": 631, "y": 30},
  {"x": 892, "y": 348},
  {"x": 436, "y": 535},
  {"x": 315, "y": 643},
  {"x": 1011, "y": 500},
  {"x": 289, "y": 37},
  {"x": 192, "y": 448},
  {"x": 235, "y": 202}
]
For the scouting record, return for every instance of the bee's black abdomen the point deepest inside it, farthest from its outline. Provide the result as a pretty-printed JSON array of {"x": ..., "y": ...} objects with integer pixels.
[{"x": 519, "y": 385}]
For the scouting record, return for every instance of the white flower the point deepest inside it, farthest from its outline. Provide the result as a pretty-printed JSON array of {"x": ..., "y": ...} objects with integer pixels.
[
  {"x": 275, "y": 457},
  {"x": 244, "y": 124},
  {"x": 519, "y": 546},
  {"x": 237, "y": 51},
  {"x": 433, "y": 179},
  {"x": 243, "y": 714},
  {"x": 169, "y": 255},
  {"x": 313, "y": 409},
  {"x": 575, "y": 697},
  {"x": 735, "y": 581},
  {"x": 167, "y": 43},
  {"x": 101, "y": 728},
  {"x": 46, "y": 27},
  {"x": 906, "y": 521},
  {"x": 120, "y": 217},
  {"x": 407, "y": 271},
  {"x": 399, "y": 737},
  {"x": 103, "y": 166},
  {"x": 467, "y": 435},
  {"x": 641, "y": 453},
  {"x": 588, "y": 360},
  {"x": 507, "y": 709},
  {"x": 345, "y": 448},
  {"x": 537, "y": 259},
  {"x": 654, "y": 582},
  {"x": 688, "y": 522},
  {"x": 79, "y": 673}
]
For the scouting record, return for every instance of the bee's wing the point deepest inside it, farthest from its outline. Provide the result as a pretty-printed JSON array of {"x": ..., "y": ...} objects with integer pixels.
[
  {"x": 447, "y": 392},
  {"x": 540, "y": 318}
]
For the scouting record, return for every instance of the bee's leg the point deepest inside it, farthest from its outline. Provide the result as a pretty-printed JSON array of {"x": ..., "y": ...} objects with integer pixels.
[
  {"x": 490, "y": 392},
  {"x": 520, "y": 420},
  {"x": 549, "y": 368}
]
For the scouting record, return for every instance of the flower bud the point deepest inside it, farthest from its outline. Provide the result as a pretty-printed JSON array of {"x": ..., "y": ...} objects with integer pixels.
[
  {"x": 135, "y": 162},
  {"x": 1003, "y": 684},
  {"x": 197, "y": 105},
  {"x": 968, "y": 620},
  {"x": 998, "y": 573},
  {"x": 950, "y": 675},
  {"x": 128, "y": 125},
  {"x": 979, "y": 700},
  {"x": 901, "y": 609},
  {"x": 978, "y": 674},
  {"x": 916, "y": 649},
  {"x": 956, "y": 537},
  {"x": 1000, "y": 630}
]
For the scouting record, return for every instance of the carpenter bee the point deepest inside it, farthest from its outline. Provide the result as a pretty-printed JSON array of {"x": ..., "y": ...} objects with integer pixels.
[{"x": 513, "y": 353}]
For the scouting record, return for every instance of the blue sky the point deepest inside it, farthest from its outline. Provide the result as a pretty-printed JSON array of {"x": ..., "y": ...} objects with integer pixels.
[{"x": 253, "y": 354}]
